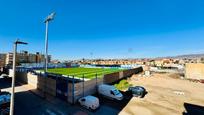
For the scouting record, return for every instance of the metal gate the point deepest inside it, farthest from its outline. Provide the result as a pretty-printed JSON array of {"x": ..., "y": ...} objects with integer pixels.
[{"x": 62, "y": 88}]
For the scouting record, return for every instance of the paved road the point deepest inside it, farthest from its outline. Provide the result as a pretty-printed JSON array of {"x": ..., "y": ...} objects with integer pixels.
[
  {"x": 112, "y": 107},
  {"x": 27, "y": 103}
]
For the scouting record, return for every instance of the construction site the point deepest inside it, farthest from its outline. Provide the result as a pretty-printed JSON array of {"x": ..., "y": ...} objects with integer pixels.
[{"x": 168, "y": 94}]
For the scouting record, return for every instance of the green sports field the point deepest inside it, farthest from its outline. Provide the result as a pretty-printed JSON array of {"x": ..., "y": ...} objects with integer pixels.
[{"x": 88, "y": 73}]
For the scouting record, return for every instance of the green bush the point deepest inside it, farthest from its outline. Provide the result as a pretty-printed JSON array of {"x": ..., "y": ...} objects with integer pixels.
[{"x": 122, "y": 85}]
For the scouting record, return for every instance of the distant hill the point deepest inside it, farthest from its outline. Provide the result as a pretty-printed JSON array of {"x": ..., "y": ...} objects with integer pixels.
[
  {"x": 185, "y": 56},
  {"x": 191, "y": 56}
]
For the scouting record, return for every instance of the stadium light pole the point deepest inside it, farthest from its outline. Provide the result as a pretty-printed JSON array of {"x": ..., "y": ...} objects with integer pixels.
[
  {"x": 14, "y": 75},
  {"x": 47, "y": 20}
]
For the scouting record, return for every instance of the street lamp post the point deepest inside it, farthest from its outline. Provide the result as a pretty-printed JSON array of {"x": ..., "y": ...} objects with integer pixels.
[
  {"x": 49, "y": 18},
  {"x": 46, "y": 45},
  {"x": 14, "y": 74}
]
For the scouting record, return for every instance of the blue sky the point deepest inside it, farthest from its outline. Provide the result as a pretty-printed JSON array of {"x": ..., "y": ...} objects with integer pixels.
[{"x": 105, "y": 28}]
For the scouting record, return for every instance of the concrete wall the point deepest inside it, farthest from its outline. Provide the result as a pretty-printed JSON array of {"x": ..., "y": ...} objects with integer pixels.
[
  {"x": 90, "y": 87},
  {"x": 114, "y": 77},
  {"x": 83, "y": 89},
  {"x": 20, "y": 76},
  {"x": 47, "y": 84},
  {"x": 32, "y": 80},
  {"x": 41, "y": 83},
  {"x": 70, "y": 97},
  {"x": 128, "y": 73},
  {"x": 194, "y": 71},
  {"x": 76, "y": 90}
]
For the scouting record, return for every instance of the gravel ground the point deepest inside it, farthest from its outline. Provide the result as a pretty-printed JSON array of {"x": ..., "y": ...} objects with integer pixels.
[{"x": 166, "y": 96}]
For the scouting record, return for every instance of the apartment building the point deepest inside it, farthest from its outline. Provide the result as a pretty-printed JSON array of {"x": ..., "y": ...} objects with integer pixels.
[
  {"x": 9, "y": 58},
  {"x": 25, "y": 57},
  {"x": 2, "y": 60}
]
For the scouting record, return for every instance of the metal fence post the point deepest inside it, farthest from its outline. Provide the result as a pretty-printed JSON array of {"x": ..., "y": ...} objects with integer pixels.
[
  {"x": 96, "y": 81},
  {"x": 73, "y": 90},
  {"x": 68, "y": 88},
  {"x": 44, "y": 90},
  {"x": 83, "y": 85}
]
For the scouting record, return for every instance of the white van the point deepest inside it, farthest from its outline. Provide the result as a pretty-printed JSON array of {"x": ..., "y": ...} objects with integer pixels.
[
  {"x": 89, "y": 102},
  {"x": 109, "y": 91}
]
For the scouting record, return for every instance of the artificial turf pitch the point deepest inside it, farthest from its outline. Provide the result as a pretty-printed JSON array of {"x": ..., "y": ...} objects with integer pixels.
[{"x": 88, "y": 73}]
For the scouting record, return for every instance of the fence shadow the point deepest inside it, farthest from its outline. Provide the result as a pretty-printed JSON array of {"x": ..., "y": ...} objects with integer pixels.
[
  {"x": 28, "y": 103},
  {"x": 6, "y": 83},
  {"x": 192, "y": 109}
]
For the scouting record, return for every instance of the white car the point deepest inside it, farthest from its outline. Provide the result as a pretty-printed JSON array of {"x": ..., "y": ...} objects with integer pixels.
[
  {"x": 110, "y": 91},
  {"x": 89, "y": 102},
  {"x": 4, "y": 76}
]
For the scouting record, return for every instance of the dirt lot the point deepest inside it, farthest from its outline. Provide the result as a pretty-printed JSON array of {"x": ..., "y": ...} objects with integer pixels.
[{"x": 166, "y": 96}]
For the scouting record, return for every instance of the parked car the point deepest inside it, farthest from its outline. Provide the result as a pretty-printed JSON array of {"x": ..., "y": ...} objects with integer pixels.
[
  {"x": 109, "y": 91},
  {"x": 4, "y": 103},
  {"x": 137, "y": 91},
  {"x": 89, "y": 102},
  {"x": 4, "y": 97},
  {"x": 4, "y": 76}
]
